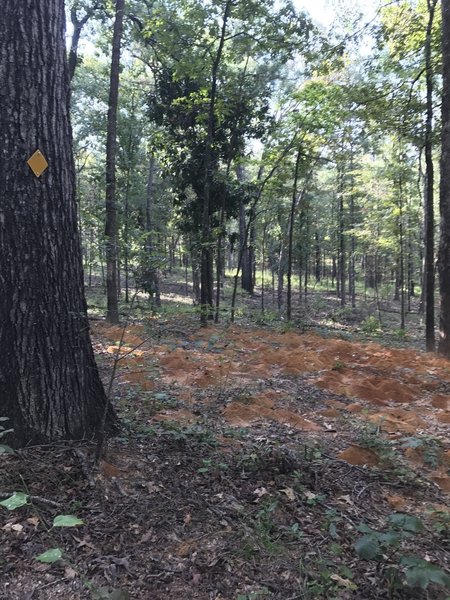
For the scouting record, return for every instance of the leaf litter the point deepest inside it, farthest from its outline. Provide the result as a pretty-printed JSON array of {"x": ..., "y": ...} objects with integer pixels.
[{"x": 248, "y": 460}]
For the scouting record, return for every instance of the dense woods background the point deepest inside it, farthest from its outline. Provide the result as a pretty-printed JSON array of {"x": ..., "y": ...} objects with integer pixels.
[{"x": 253, "y": 142}]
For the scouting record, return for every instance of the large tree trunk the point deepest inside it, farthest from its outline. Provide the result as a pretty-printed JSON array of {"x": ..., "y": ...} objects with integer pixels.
[
  {"x": 49, "y": 384},
  {"x": 444, "y": 247},
  {"x": 112, "y": 313}
]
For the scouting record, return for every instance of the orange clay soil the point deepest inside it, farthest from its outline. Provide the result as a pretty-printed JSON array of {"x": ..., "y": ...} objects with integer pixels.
[{"x": 402, "y": 392}]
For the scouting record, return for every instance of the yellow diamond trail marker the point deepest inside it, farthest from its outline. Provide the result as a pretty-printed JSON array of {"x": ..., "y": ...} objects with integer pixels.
[{"x": 37, "y": 163}]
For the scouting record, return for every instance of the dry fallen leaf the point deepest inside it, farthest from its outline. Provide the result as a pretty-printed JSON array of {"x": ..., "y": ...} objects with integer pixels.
[
  {"x": 147, "y": 536},
  {"x": 70, "y": 573},
  {"x": 153, "y": 487},
  {"x": 289, "y": 493},
  {"x": 309, "y": 495},
  {"x": 345, "y": 499},
  {"x": 344, "y": 582},
  {"x": 259, "y": 492}
]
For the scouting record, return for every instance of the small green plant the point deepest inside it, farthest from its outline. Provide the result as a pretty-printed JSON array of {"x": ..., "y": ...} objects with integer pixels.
[
  {"x": 440, "y": 520},
  {"x": 286, "y": 326},
  {"x": 386, "y": 450},
  {"x": 431, "y": 449},
  {"x": 338, "y": 365},
  {"x": 19, "y": 499},
  {"x": 321, "y": 580},
  {"x": 268, "y": 317},
  {"x": 332, "y": 520},
  {"x": 238, "y": 433},
  {"x": 265, "y": 527},
  {"x": 386, "y": 548},
  {"x": 53, "y": 555},
  {"x": 296, "y": 532},
  {"x": 400, "y": 334},
  {"x": 209, "y": 465},
  {"x": 371, "y": 325}
]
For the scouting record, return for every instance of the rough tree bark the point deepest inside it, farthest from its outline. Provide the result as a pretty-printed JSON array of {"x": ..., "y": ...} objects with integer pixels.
[
  {"x": 444, "y": 247},
  {"x": 49, "y": 384},
  {"x": 111, "y": 246}
]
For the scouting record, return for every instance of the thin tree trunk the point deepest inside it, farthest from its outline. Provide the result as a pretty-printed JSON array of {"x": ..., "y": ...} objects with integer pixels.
[
  {"x": 291, "y": 235},
  {"x": 352, "y": 261},
  {"x": 429, "y": 184},
  {"x": 402, "y": 257},
  {"x": 252, "y": 212},
  {"x": 151, "y": 275},
  {"x": 126, "y": 212},
  {"x": 296, "y": 200},
  {"x": 318, "y": 263},
  {"x": 112, "y": 312},
  {"x": 280, "y": 277},
  {"x": 246, "y": 276},
  {"x": 341, "y": 226},
  {"x": 263, "y": 265},
  {"x": 444, "y": 246},
  {"x": 206, "y": 291},
  {"x": 78, "y": 25}
]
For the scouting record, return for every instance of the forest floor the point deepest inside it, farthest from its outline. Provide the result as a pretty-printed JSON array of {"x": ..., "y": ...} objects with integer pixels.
[{"x": 256, "y": 461}]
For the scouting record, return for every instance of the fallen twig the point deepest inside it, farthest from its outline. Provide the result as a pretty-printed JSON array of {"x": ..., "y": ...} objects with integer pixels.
[{"x": 39, "y": 499}]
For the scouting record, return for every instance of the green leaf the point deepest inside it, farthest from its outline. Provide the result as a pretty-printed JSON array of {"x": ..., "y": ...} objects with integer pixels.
[
  {"x": 367, "y": 547},
  {"x": 406, "y": 522},
  {"x": 104, "y": 593},
  {"x": 67, "y": 521},
  {"x": 411, "y": 561},
  {"x": 5, "y": 449},
  {"x": 390, "y": 538},
  {"x": 417, "y": 577},
  {"x": 412, "y": 442},
  {"x": 421, "y": 572},
  {"x": 332, "y": 530},
  {"x": 17, "y": 500},
  {"x": 362, "y": 528},
  {"x": 50, "y": 556},
  {"x": 439, "y": 576}
]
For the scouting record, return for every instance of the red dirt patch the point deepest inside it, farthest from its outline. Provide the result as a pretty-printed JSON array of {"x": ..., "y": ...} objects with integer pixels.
[
  {"x": 356, "y": 455},
  {"x": 397, "y": 419}
]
